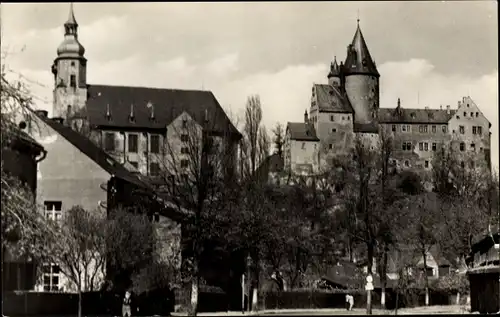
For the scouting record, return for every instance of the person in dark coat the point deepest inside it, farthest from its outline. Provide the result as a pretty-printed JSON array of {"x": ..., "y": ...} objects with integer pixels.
[{"x": 127, "y": 305}]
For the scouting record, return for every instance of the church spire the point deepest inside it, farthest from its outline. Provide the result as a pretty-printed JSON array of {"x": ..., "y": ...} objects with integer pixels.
[
  {"x": 358, "y": 59},
  {"x": 70, "y": 46}
]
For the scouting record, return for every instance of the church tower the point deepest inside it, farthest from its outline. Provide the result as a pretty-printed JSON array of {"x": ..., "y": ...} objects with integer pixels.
[
  {"x": 361, "y": 80},
  {"x": 70, "y": 72},
  {"x": 334, "y": 75}
]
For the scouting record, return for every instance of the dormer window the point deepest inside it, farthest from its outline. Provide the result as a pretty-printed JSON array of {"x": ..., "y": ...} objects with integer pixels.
[{"x": 477, "y": 114}]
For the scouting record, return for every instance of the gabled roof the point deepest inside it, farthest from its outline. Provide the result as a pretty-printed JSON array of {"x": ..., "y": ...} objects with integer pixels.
[
  {"x": 330, "y": 99},
  {"x": 300, "y": 131},
  {"x": 414, "y": 116},
  {"x": 153, "y": 108},
  {"x": 358, "y": 60},
  {"x": 93, "y": 152},
  {"x": 438, "y": 256},
  {"x": 17, "y": 138}
]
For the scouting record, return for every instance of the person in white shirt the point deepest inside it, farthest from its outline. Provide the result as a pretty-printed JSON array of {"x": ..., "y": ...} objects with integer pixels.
[{"x": 349, "y": 301}]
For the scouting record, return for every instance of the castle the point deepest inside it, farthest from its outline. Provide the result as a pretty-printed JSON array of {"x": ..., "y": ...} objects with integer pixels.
[{"x": 349, "y": 106}]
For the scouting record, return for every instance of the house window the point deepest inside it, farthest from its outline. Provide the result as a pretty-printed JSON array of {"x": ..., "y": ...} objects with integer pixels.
[
  {"x": 462, "y": 146},
  {"x": 184, "y": 163},
  {"x": 472, "y": 114},
  {"x": 474, "y": 130},
  {"x": 334, "y": 130},
  {"x": 73, "y": 64},
  {"x": 422, "y": 129},
  {"x": 303, "y": 145},
  {"x": 426, "y": 164},
  {"x": 443, "y": 128},
  {"x": 330, "y": 146},
  {"x": 332, "y": 118},
  {"x": 132, "y": 143},
  {"x": 473, "y": 147},
  {"x": 184, "y": 150},
  {"x": 421, "y": 146},
  {"x": 426, "y": 146},
  {"x": 184, "y": 137},
  {"x": 433, "y": 129},
  {"x": 72, "y": 81},
  {"x": 407, "y": 164},
  {"x": 53, "y": 210},
  {"x": 348, "y": 118},
  {"x": 154, "y": 169},
  {"x": 434, "y": 146},
  {"x": 343, "y": 118},
  {"x": 393, "y": 128},
  {"x": 155, "y": 144},
  {"x": 109, "y": 141},
  {"x": 462, "y": 129},
  {"x": 465, "y": 114},
  {"x": 477, "y": 114},
  {"x": 462, "y": 164},
  {"x": 429, "y": 272},
  {"x": 480, "y": 130},
  {"x": 184, "y": 123},
  {"x": 403, "y": 128},
  {"x": 134, "y": 164},
  {"x": 51, "y": 278}
]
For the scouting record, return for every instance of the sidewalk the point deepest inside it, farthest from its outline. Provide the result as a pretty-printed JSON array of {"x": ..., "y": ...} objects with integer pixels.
[{"x": 452, "y": 309}]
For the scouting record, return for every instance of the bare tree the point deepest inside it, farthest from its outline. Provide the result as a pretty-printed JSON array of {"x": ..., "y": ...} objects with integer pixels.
[
  {"x": 78, "y": 246},
  {"x": 197, "y": 172},
  {"x": 279, "y": 139}
]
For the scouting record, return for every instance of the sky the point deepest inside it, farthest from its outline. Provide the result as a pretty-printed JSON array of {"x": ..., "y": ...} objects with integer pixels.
[{"x": 428, "y": 53}]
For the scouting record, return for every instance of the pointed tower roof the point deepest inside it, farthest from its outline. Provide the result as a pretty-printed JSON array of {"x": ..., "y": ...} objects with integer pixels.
[
  {"x": 71, "y": 17},
  {"x": 358, "y": 59},
  {"x": 334, "y": 68},
  {"x": 71, "y": 47}
]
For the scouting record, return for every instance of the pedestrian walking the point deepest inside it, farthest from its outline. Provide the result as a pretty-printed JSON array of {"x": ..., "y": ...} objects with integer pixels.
[
  {"x": 127, "y": 305},
  {"x": 349, "y": 301}
]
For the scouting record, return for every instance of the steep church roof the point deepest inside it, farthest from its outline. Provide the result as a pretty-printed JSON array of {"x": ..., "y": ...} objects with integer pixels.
[
  {"x": 330, "y": 99},
  {"x": 153, "y": 108},
  {"x": 300, "y": 131},
  {"x": 334, "y": 69},
  {"x": 358, "y": 60}
]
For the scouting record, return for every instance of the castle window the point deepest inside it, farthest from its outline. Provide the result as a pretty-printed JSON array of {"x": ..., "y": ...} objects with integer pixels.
[
  {"x": 421, "y": 146},
  {"x": 334, "y": 130},
  {"x": 477, "y": 114},
  {"x": 472, "y": 114},
  {"x": 343, "y": 118},
  {"x": 330, "y": 146},
  {"x": 72, "y": 81},
  {"x": 184, "y": 163},
  {"x": 184, "y": 150},
  {"x": 426, "y": 146},
  {"x": 155, "y": 144},
  {"x": 154, "y": 169},
  {"x": 426, "y": 164},
  {"x": 303, "y": 145},
  {"x": 332, "y": 118},
  {"x": 462, "y": 129},
  {"x": 348, "y": 118},
  {"x": 473, "y": 147},
  {"x": 434, "y": 146},
  {"x": 393, "y": 128},
  {"x": 184, "y": 138},
  {"x": 433, "y": 129},
  {"x": 109, "y": 141},
  {"x": 407, "y": 164},
  {"x": 462, "y": 164},
  {"x": 184, "y": 123},
  {"x": 474, "y": 130},
  {"x": 133, "y": 143},
  {"x": 72, "y": 64},
  {"x": 480, "y": 130},
  {"x": 465, "y": 114},
  {"x": 443, "y": 128},
  {"x": 403, "y": 128},
  {"x": 462, "y": 146}
]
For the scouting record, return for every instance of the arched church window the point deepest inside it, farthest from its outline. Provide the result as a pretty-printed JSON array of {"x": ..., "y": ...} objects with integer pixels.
[
  {"x": 73, "y": 64},
  {"x": 72, "y": 81}
]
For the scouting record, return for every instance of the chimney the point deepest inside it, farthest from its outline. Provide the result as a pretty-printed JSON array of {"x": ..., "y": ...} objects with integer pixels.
[
  {"x": 399, "y": 103},
  {"x": 448, "y": 109},
  {"x": 42, "y": 113},
  {"x": 306, "y": 117}
]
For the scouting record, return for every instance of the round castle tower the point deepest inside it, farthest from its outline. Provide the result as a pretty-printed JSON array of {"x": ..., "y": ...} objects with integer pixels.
[{"x": 361, "y": 80}]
